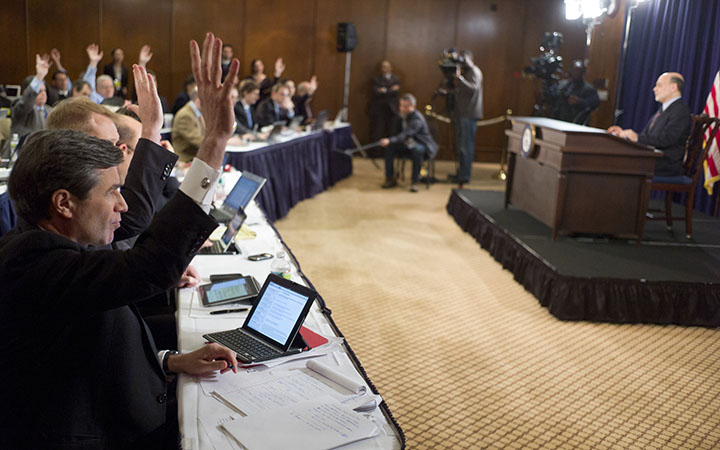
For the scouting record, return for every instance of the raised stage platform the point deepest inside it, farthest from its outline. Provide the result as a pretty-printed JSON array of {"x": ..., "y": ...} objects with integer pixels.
[{"x": 668, "y": 279}]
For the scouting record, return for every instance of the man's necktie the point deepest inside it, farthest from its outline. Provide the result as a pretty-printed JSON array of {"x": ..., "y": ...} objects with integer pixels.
[
  {"x": 249, "y": 118},
  {"x": 654, "y": 118}
]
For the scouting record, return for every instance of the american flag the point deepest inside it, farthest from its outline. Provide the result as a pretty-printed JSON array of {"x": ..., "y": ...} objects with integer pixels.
[{"x": 712, "y": 162}]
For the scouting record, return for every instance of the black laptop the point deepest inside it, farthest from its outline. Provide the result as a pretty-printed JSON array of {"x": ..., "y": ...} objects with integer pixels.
[{"x": 271, "y": 328}]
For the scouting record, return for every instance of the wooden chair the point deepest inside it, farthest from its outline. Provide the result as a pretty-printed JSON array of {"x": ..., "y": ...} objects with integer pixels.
[{"x": 696, "y": 150}]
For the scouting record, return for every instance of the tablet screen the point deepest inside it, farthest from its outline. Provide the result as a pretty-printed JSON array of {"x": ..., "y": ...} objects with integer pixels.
[
  {"x": 238, "y": 289},
  {"x": 277, "y": 313}
]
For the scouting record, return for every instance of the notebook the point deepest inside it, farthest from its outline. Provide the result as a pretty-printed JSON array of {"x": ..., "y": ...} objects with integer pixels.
[
  {"x": 247, "y": 187},
  {"x": 271, "y": 328},
  {"x": 227, "y": 239}
]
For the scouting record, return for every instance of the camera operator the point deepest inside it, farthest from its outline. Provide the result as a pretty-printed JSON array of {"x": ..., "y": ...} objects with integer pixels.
[
  {"x": 468, "y": 109},
  {"x": 574, "y": 99}
]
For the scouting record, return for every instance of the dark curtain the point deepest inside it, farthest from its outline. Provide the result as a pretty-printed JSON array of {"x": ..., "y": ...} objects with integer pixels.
[{"x": 671, "y": 36}]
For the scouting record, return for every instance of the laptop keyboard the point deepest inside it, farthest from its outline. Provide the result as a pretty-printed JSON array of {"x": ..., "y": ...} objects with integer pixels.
[
  {"x": 216, "y": 248},
  {"x": 247, "y": 347}
]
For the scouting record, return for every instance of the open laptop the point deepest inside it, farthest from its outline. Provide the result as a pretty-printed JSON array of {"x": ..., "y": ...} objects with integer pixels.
[
  {"x": 271, "y": 328},
  {"x": 247, "y": 187},
  {"x": 227, "y": 239},
  {"x": 321, "y": 119}
]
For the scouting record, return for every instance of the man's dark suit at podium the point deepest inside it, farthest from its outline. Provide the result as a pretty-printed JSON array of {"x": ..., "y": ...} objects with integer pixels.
[{"x": 668, "y": 128}]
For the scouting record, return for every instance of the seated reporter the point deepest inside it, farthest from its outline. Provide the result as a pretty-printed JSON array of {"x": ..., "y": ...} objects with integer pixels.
[
  {"x": 278, "y": 108},
  {"x": 414, "y": 137},
  {"x": 100, "y": 382}
]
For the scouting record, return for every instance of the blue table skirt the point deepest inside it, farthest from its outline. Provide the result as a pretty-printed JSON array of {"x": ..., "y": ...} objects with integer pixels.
[
  {"x": 7, "y": 214},
  {"x": 298, "y": 169}
]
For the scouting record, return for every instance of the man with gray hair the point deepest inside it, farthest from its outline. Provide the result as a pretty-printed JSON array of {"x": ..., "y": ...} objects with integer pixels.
[
  {"x": 102, "y": 87},
  {"x": 414, "y": 137},
  {"x": 74, "y": 309},
  {"x": 468, "y": 110},
  {"x": 30, "y": 111}
]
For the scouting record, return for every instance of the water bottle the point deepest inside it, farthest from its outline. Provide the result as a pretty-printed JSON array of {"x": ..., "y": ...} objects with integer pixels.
[
  {"x": 280, "y": 266},
  {"x": 220, "y": 191}
]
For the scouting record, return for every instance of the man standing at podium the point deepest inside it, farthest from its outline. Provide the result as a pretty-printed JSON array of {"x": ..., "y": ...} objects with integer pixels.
[{"x": 668, "y": 128}]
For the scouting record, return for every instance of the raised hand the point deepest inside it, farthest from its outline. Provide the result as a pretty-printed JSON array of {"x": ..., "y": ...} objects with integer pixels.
[
  {"x": 217, "y": 107},
  {"x": 55, "y": 56},
  {"x": 42, "y": 66},
  {"x": 94, "y": 54},
  {"x": 279, "y": 67},
  {"x": 313, "y": 84},
  {"x": 145, "y": 55},
  {"x": 149, "y": 107}
]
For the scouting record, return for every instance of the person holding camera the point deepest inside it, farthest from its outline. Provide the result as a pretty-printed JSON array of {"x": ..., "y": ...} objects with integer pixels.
[
  {"x": 574, "y": 99},
  {"x": 468, "y": 110}
]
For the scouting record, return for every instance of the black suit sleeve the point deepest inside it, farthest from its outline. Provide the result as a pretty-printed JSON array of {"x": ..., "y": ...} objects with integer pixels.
[
  {"x": 414, "y": 127},
  {"x": 148, "y": 173},
  {"x": 79, "y": 281},
  {"x": 670, "y": 132},
  {"x": 265, "y": 114}
]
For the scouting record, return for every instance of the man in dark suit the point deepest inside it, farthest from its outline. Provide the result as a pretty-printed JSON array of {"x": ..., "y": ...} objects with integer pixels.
[
  {"x": 668, "y": 128},
  {"x": 102, "y": 384},
  {"x": 30, "y": 111},
  {"x": 279, "y": 107},
  {"x": 383, "y": 106},
  {"x": 59, "y": 88},
  {"x": 227, "y": 56},
  {"x": 414, "y": 137},
  {"x": 184, "y": 97},
  {"x": 245, "y": 107}
]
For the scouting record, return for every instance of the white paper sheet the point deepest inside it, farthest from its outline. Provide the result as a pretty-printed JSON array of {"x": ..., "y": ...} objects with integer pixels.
[{"x": 321, "y": 423}]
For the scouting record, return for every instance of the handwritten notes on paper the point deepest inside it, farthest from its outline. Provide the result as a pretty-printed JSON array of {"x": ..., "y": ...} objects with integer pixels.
[{"x": 321, "y": 423}]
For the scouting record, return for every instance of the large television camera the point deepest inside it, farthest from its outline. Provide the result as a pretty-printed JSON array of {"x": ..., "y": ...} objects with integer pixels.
[
  {"x": 547, "y": 67},
  {"x": 449, "y": 62}
]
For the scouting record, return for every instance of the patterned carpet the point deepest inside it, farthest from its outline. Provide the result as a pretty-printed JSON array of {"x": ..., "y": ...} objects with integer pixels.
[{"x": 466, "y": 358}]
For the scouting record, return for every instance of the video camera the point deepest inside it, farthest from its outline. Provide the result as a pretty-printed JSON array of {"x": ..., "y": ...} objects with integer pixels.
[{"x": 549, "y": 64}]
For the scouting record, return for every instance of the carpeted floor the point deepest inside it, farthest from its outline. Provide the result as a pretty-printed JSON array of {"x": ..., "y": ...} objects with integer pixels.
[{"x": 466, "y": 358}]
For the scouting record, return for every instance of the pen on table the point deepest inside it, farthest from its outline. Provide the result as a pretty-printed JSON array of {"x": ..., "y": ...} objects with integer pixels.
[{"x": 228, "y": 311}]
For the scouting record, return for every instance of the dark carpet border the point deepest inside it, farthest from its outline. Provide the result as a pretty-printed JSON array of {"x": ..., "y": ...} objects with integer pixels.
[
  {"x": 328, "y": 314},
  {"x": 591, "y": 299}
]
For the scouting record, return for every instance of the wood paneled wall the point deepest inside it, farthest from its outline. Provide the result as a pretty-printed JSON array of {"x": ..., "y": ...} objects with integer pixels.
[{"x": 503, "y": 35}]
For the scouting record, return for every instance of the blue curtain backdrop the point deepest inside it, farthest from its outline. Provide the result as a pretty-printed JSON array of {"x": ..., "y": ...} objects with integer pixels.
[{"x": 671, "y": 36}]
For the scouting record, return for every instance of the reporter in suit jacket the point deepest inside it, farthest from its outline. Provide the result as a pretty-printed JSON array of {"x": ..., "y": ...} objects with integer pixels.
[
  {"x": 668, "y": 128},
  {"x": 245, "y": 107},
  {"x": 145, "y": 168},
  {"x": 88, "y": 375},
  {"x": 31, "y": 109},
  {"x": 414, "y": 136},
  {"x": 188, "y": 129},
  {"x": 278, "y": 107}
]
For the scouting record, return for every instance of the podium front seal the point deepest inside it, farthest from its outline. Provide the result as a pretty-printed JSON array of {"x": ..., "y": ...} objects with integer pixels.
[{"x": 527, "y": 142}]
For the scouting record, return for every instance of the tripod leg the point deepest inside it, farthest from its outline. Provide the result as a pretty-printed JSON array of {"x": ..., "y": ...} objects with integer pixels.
[{"x": 356, "y": 141}]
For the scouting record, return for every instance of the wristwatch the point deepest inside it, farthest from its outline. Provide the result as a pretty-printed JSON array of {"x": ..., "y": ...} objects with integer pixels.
[{"x": 166, "y": 357}]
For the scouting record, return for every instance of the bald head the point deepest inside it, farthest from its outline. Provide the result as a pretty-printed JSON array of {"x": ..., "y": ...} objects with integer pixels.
[{"x": 668, "y": 86}]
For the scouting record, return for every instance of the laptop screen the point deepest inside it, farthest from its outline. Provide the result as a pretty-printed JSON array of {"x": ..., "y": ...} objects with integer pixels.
[
  {"x": 244, "y": 191},
  {"x": 277, "y": 312}
]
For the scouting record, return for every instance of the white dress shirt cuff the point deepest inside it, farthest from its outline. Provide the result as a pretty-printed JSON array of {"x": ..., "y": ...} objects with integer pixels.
[
  {"x": 36, "y": 84},
  {"x": 199, "y": 183}
]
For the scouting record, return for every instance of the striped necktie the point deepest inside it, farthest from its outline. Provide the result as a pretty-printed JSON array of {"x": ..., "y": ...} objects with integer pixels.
[{"x": 654, "y": 118}]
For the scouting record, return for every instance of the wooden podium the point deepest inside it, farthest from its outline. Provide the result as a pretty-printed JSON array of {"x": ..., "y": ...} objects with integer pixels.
[{"x": 577, "y": 179}]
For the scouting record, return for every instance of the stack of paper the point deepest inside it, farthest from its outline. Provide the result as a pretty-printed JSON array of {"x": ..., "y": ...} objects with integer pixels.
[{"x": 321, "y": 423}]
